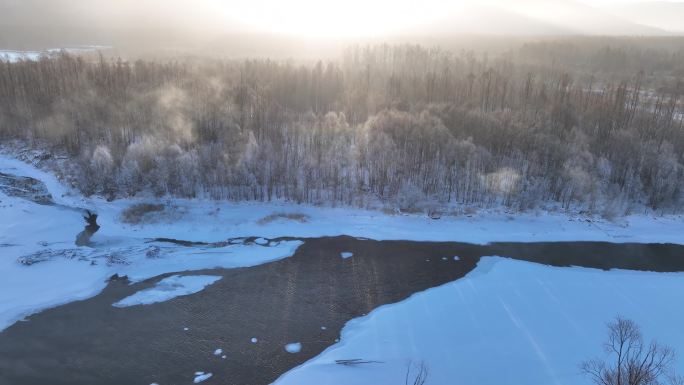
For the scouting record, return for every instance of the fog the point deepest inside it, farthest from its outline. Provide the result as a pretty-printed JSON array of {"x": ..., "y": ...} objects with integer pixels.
[{"x": 308, "y": 24}]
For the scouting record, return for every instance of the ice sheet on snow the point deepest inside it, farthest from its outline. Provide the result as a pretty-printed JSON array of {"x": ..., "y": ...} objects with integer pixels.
[
  {"x": 201, "y": 376},
  {"x": 507, "y": 322},
  {"x": 198, "y": 258},
  {"x": 169, "y": 288},
  {"x": 294, "y": 347}
]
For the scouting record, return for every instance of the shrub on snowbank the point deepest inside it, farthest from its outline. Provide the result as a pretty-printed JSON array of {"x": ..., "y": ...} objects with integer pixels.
[{"x": 136, "y": 213}]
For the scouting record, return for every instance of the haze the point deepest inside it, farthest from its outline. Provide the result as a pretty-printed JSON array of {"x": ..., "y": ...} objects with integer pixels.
[
  {"x": 307, "y": 192},
  {"x": 36, "y": 22}
]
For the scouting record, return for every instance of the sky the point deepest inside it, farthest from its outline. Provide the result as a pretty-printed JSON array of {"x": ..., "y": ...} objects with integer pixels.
[
  {"x": 339, "y": 18},
  {"x": 377, "y": 17},
  {"x": 619, "y": 2}
]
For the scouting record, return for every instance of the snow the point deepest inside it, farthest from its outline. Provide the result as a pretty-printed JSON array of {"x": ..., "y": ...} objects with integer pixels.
[
  {"x": 294, "y": 347},
  {"x": 199, "y": 258},
  {"x": 507, "y": 321},
  {"x": 218, "y": 352},
  {"x": 457, "y": 258},
  {"x": 206, "y": 220},
  {"x": 169, "y": 288},
  {"x": 75, "y": 273},
  {"x": 201, "y": 376},
  {"x": 24, "y": 289},
  {"x": 254, "y": 340},
  {"x": 492, "y": 316},
  {"x": 16, "y": 55},
  {"x": 61, "y": 193},
  {"x": 346, "y": 254}
]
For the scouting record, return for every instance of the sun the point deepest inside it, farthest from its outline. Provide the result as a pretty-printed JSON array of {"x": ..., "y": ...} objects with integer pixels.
[{"x": 334, "y": 18}]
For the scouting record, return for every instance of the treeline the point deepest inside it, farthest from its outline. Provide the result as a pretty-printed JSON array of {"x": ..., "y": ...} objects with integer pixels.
[
  {"x": 660, "y": 58},
  {"x": 410, "y": 127}
]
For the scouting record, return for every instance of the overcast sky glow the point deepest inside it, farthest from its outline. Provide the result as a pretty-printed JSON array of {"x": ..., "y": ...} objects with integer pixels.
[
  {"x": 345, "y": 18},
  {"x": 337, "y": 18}
]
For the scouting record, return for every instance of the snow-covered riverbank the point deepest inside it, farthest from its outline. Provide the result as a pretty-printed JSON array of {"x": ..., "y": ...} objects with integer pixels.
[
  {"x": 55, "y": 271},
  {"x": 507, "y": 320},
  {"x": 208, "y": 220},
  {"x": 27, "y": 227}
]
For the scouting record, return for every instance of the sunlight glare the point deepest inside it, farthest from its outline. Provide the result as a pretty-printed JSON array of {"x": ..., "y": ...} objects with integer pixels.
[{"x": 350, "y": 18}]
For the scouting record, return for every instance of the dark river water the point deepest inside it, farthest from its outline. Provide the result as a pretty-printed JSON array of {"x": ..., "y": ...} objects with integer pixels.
[{"x": 91, "y": 342}]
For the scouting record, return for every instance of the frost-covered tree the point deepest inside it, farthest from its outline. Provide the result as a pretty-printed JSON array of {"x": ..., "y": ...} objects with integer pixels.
[
  {"x": 100, "y": 172},
  {"x": 381, "y": 124},
  {"x": 631, "y": 360}
]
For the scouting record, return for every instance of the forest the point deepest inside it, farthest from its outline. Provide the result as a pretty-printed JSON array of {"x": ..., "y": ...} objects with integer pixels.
[{"x": 575, "y": 125}]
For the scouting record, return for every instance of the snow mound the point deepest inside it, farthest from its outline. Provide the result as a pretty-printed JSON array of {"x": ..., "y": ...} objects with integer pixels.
[
  {"x": 254, "y": 340},
  {"x": 168, "y": 288},
  {"x": 218, "y": 352}
]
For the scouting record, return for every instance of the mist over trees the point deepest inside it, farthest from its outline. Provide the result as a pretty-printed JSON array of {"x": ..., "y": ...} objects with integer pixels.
[{"x": 406, "y": 126}]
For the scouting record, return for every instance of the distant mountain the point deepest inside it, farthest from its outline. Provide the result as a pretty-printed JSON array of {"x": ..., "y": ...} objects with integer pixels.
[
  {"x": 33, "y": 24},
  {"x": 535, "y": 17},
  {"x": 490, "y": 19},
  {"x": 30, "y": 24},
  {"x": 580, "y": 18},
  {"x": 665, "y": 15}
]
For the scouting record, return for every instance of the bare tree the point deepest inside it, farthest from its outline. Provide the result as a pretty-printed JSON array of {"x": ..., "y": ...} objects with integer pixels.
[
  {"x": 415, "y": 128},
  {"x": 632, "y": 361},
  {"x": 416, "y": 374}
]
